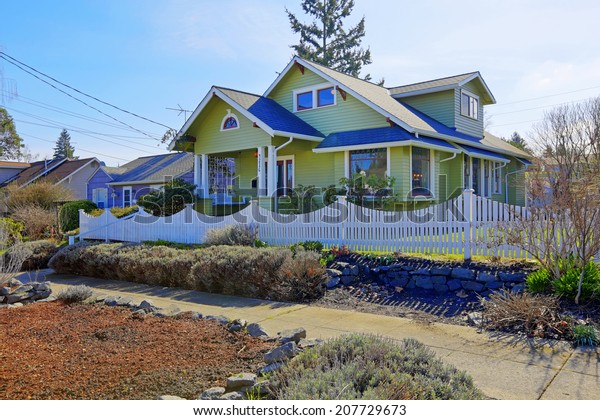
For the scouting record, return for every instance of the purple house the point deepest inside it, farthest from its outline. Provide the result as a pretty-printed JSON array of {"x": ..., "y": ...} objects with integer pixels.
[{"x": 122, "y": 186}]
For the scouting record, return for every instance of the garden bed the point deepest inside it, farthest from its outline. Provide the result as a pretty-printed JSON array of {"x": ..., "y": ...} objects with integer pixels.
[{"x": 58, "y": 351}]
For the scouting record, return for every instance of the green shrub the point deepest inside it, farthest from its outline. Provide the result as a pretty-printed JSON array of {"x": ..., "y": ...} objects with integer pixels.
[
  {"x": 68, "y": 215},
  {"x": 567, "y": 284},
  {"x": 74, "y": 294},
  {"x": 38, "y": 253},
  {"x": 269, "y": 273},
  {"x": 539, "y": 281},
  {"x": 356, "y": 367},
  {"x": 307, "y": 246},
  {"x": 585, "y": 335},
  {"x": 170, "y": 244},
  {"x": 232, "y": 235},
  {"x": 170, "y": 199},
  {"x": 120, "y": 212},
  {"x": 13, "y": 228}
]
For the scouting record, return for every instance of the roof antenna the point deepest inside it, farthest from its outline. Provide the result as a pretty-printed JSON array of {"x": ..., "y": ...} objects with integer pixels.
[{"x": 181, "y": 111}]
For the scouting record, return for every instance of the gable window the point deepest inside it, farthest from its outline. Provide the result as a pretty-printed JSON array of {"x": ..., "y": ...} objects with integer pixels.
[
  {"x": 304, "y": 101},
  {"x": 421, "y": 172},
  {"x": 230, "y": 121},
  {"x": 314, "y": 97},
  {"x": 368, "y": 162},
  {"x": 469, "y": 105}
]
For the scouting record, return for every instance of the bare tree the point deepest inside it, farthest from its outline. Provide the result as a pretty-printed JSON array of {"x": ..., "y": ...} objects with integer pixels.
[
  {"x": 563, "y": 221},
  {"x": 12, "y": 255}
]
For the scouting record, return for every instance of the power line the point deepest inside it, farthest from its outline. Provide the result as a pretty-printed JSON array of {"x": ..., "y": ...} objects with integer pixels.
[
  {"x": 546, "y": 96},
  {"x": 73, "y": 97},
  {"x": 64, "y": 111},
  {"x": 84, "y": 150},
  {"x": 542, "y": 107},
  {"x": 83, "y": 93}
]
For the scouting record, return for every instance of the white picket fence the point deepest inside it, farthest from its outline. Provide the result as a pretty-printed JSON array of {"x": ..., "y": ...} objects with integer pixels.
[{"x": 464, "y": 226}]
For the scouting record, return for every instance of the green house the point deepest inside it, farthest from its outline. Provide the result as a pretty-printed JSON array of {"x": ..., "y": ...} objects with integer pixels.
[{"x": 314, "y": 126}]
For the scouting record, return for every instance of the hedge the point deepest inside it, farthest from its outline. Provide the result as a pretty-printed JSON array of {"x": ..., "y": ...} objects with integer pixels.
[{"x": 69, "y": 213}]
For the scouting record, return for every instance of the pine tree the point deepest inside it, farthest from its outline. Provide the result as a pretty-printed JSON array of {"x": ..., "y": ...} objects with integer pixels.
[
  {"x": 63, "y": 148},
  {"x": 519, "y": 142},
  {"x": 325, "y": 41}
]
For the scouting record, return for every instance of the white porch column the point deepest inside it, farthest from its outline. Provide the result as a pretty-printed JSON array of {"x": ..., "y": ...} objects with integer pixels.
[
  {"x": 261, "y": 187},
  {"x": 204, "y": 176},
  {"x": 197, "y": 172},
  {"x": 272, "y": 171}
]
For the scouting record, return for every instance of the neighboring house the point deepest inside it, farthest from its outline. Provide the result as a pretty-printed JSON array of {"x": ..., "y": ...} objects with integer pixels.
[
  {"x": 122, "y": 186},
  {"x": 72, "y": 173},
  {"x": 9, "y": 170},
  {"x": 314, "y": 125}
]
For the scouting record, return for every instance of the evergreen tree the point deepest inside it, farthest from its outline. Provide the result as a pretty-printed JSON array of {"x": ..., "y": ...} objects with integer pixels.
[
  {"x": 11, "y": 144},
  {"x": 326, "y": 41},
  {"x": 519, "y": 142},
  {"x": 63, "y": 148}
]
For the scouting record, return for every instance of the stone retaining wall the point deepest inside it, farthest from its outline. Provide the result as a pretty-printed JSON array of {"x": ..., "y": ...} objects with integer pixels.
[
  {"x": 438, "y": 278},
  {"x": 16, "y": 293}
]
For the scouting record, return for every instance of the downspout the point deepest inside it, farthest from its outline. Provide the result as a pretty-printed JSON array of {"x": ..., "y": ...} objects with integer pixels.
[
  {"x": 277, "y": 149},
  {"x": 450, "y": 158}
]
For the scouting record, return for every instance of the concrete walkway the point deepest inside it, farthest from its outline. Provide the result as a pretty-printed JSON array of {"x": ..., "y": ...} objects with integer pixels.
[{"x": 501, "y": 366}]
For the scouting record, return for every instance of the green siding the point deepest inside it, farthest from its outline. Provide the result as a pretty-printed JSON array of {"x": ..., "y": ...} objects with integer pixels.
[
  {"x": 516, "y": 183},
  {"x": 347, "y": 115},
  {"x": 246, "y": 169},
  {"x": 339, "y": 166},
  {"x": 210, "y": 139},
  {"x": 465, "y": 124},
  {"x": 310, "y": 168},
  {"x": 438, "y": 105},
  {"x": 450, "y": 172},
  {"x": 400, "y": 169}
]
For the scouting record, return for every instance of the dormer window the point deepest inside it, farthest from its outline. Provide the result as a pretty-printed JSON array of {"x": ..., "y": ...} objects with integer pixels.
[
  {"x": 469, "y": 104},
  {"x": 314, "y": 97},
  {"x": 230, "y": 121}
]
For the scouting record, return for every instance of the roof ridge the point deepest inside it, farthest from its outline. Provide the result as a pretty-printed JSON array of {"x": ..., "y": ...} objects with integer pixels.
[
  {"x": 342, "y": 73},
  {"x": 237, "y": 90},
  {"x": 433, "y": 80}
]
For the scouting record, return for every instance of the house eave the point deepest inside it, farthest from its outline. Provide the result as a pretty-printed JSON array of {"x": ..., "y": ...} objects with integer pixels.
[{"x": 398, "y": 143}]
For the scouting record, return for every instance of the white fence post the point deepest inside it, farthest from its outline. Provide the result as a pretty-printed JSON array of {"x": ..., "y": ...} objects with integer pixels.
[{"x": 468, "y": 232}]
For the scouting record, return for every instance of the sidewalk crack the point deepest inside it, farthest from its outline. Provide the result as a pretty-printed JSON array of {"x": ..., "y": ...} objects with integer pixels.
[{"x": 560, "y": 369}]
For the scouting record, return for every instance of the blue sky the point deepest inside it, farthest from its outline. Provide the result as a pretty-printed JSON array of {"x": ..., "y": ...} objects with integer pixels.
[{"x": 145, "y": 56}]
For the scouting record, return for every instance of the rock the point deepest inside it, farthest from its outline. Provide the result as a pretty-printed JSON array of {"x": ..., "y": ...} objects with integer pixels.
[
  {"x": 219, "y": 318},
  {"x": 41, "y": 287},
  {"x": 5, "y": 291},
  {"x": 408, "y": 268},
  {"x": 16, "y": 305},
  {"x": 307, "y": 343},
  {"x": 270, "y": 368},
  {"x": 441, "y": 271},
  {"x": 196, "y": 315},
  {"x": 23, "y": 289},
  {"x": 236, "y": 395},
  {"x": 14, "y": 283},
  {"x": 354, "y": 270},
  {"x": 14, "y": 298},
  {"x": 100, "y": 298},
  {"x": 424, "y": 282},
  {"x": 462, "y": 274},
  {"x": 421, "y": 272},
  {"x": 475, "y": 318},
  {"x": 332, "y": 282},
  {"x": 233, "y": 328},
  {"x": 171, "y": 310},
  {"x": 440, "y": 288},
  {"x": 42, "y": 294},
  {"x": 472, "y": 285},
  {"x": 240, "y": 380},
  {"x": 486, "y": 277},
  {"x": 462, "y": 294},
  {"x": 255, "y": 330},
  {"x": 332, "y": 272},
  {"x": 282, "y": 353},
  {"x": 384, "y": 268},
  {"x": 518, "y": 288},
  {"x": 454, "y": 285},
  {"x": 212, "y": 393},
  {"x": 147, "y": 305},
  {"x": 2, "y": 299},
  {"x": 347, "y": 279},
  {"x": 512, "y": 277},
  {"x": 494, "y": 285},
  {"x": 261, "y": 388},
  {"x": 170, "y": 397},
  {"x": 411, "y": 284},
  {"x": 399, "y": 282},
  {"x": 294, "y": 335},
  {"x": 138, "y": 313},
  {"x": 111, "y": 300},
  {"x": 439, "y": 280}
]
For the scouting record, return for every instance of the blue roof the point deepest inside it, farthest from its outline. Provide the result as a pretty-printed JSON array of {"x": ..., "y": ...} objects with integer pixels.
[
  {"x": 280, "y": 119},
  {"x": 471, "y": 149},
  {"x": 441, "y": 128},
  {"x": 378, "y": 135},
  {"x": 153, "y": 168}
]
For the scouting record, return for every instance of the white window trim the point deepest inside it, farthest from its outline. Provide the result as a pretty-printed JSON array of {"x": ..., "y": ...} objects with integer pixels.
[
  {"x": 431, "y": 174},
  {"x": 497, "y": 186},
  {"x": 314, "y": 89},
  {"x": 131, "y": 201},
  {"x": 230, "y": 114},
  {"x": 471, "y": 95}
]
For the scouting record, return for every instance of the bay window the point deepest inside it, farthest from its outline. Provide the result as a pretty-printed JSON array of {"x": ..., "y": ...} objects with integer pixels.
[
  {"x": 421, "y": 172},
  {"x": 368, "y": 162}
]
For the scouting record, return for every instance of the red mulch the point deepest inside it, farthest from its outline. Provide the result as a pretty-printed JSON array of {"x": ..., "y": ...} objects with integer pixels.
[{"x": 58, "y": 351}]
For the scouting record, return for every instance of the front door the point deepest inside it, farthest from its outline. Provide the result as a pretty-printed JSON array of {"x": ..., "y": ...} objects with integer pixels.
[{"x": 285, "y": 176}]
